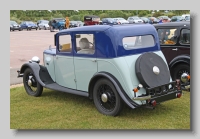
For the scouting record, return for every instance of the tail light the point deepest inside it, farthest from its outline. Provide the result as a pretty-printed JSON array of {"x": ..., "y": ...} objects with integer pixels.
[
  {"x": 135, "y": 90},
  {"x": 178, "y": 95},
  {"x": 178, "y": 84},
  {"x": 153, "y": 103}
]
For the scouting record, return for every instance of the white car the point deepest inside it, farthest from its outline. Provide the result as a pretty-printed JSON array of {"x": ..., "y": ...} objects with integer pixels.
[
  {"x": 134, "y": 19},
  {"x": 43, "y": 24},
  {"x": 121, "y": 20}
]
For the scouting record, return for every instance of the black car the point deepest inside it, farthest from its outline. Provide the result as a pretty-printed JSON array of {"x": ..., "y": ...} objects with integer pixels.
[
  {"x": 14, "y": 26},
  {"x": 108, "y": 21},
  {"x": 175, "y": 45}
]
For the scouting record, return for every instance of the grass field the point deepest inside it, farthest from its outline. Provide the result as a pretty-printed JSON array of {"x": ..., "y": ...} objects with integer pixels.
[{"x": 57, "y": 110}]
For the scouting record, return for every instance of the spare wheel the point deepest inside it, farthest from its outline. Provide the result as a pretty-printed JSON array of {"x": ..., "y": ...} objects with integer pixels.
[{"x": 151, "y": 70}]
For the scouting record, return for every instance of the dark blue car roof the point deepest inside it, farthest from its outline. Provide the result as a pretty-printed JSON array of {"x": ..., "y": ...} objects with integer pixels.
[
  {"x": 121, "y": 28},
  {"x": 109, "y": 38}
]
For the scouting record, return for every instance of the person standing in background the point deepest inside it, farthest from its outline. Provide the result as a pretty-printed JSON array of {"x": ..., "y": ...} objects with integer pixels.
[{"x": 67, "y": 22}]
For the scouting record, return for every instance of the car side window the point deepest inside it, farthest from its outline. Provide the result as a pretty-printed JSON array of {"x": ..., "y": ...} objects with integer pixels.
[
  {"x": 167, "y": 36},
  {"x": 85, "y": 44},
  {"x": 65, "y": 43},
  {"x": 135, "y": 42},
  {"x": 185, "y": 37}
]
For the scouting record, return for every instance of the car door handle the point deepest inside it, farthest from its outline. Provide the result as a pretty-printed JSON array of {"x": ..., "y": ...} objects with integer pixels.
[
  {"x": 94, "y": 60},
  {"x": 175, "y": 49}
]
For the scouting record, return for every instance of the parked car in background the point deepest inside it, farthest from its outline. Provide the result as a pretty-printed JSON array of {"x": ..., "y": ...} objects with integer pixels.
[
  {"x": 91, "y": 20},
  {"x": 43, "y": 24},
  {"x": 28, "y": 25},
  {"x": 187, "y": 18},
  {"x": 175, "y": 44},
  {"x": 56, "y": 24},
  {"x": 134, "y": 19},
  {"x": 111, "y": 65},
  {"x": 121, "y": 20},
  {"x": 145, "y": 19},
  {"x": 184, "y": 15},
  {"x": 109, "y": 21},
  {"x": 73, "y": 24},
  {"x": 155, "y": 20},
  {"x": 177, "y": 18},
  {"x": 80, "y": 23},
  {"x": 166, "y": 17},
  {"x": 14, "y": 26}
]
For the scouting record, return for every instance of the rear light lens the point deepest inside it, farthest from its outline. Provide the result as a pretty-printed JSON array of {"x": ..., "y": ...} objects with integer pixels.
[
  {"x": 153, "y": 103},
  {"x": 178, "y": 84},
  {"x": 178, "y": 95}
]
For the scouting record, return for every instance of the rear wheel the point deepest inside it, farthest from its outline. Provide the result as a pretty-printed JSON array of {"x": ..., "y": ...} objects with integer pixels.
[
  {"x": 179, "y": 70},
  {"x": 31, "y": 85},
  {"x": 106, "y": 98}
]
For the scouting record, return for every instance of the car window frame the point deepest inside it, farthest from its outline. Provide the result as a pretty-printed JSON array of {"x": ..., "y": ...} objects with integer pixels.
[
  {"x": 75, "y": 42},
  {"x": 180, "y": 38},
  {"x": 58, "y": 42},
  {"x": 170, "y": 28}
]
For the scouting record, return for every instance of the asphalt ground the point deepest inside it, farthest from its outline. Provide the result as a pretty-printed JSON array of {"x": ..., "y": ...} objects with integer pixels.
[{"x": 24, "y": 45}]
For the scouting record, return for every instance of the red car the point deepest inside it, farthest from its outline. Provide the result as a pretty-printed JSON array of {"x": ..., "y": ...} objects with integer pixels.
[{"x": 91, "y": 20}]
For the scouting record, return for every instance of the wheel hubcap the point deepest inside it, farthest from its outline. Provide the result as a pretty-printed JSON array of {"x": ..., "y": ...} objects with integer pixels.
[
  {"x": 29, "y": 81},
  {"x": 184, "y": 77},
  {"x": 104, "y": 97}
]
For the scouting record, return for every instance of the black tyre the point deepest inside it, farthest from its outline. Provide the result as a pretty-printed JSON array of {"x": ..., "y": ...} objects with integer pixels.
[
  {"x": 31, "y": 85},
  {"x": 179, "y": 70},
  {"x": 106, "y": 98}
]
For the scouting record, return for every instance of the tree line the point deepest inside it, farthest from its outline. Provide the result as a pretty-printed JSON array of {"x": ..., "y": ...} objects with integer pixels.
[{"x": 35, "y": 15}]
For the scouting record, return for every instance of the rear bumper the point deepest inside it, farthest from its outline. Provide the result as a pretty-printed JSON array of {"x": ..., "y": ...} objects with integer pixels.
[{"x": 161, "y": 93}]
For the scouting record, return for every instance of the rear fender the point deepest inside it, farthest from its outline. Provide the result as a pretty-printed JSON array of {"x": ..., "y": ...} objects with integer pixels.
[
  {"x": 179, "y": 59},
  {"x": 117, "y": 85}
]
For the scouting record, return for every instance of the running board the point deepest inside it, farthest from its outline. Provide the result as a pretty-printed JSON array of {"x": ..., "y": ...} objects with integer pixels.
[{"x": 56, "y": 87}]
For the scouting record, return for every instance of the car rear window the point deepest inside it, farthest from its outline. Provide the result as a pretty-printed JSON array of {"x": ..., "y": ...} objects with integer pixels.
[{"x": 135, "y": 42}]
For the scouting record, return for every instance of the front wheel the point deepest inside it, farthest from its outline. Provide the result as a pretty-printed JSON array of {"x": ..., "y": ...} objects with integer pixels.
[
  {"x": 32, "y": 87},
  {"x": 106, "y": 98}
]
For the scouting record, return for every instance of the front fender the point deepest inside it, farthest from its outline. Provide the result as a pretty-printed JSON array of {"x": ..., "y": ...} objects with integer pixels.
[
  {"x": 35, "y": 68},
  {"x": 117, "y": 85},
  {"x": 179, "y": 59}
]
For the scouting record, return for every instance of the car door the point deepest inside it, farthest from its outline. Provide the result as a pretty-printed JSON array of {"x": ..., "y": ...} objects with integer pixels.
[
  {"x": 184, "y": 42},
  {"x": 84, "y": 59},
  {"x": 64, "y": 62},
  {"x": 168, "y": 43},
  {"x": 22, "y": 25}
]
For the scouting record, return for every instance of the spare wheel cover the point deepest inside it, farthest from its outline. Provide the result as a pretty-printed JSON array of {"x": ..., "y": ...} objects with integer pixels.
[{"x": 151, "y": 70}]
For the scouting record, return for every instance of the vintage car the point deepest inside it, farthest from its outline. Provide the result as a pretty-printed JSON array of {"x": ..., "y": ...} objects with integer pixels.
[
  {"x": 175, "y": 44},
  {"x": 112, "y": 65},
  {"x": 56, "y": 24},
  {"x": 91, "y": 20}
]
